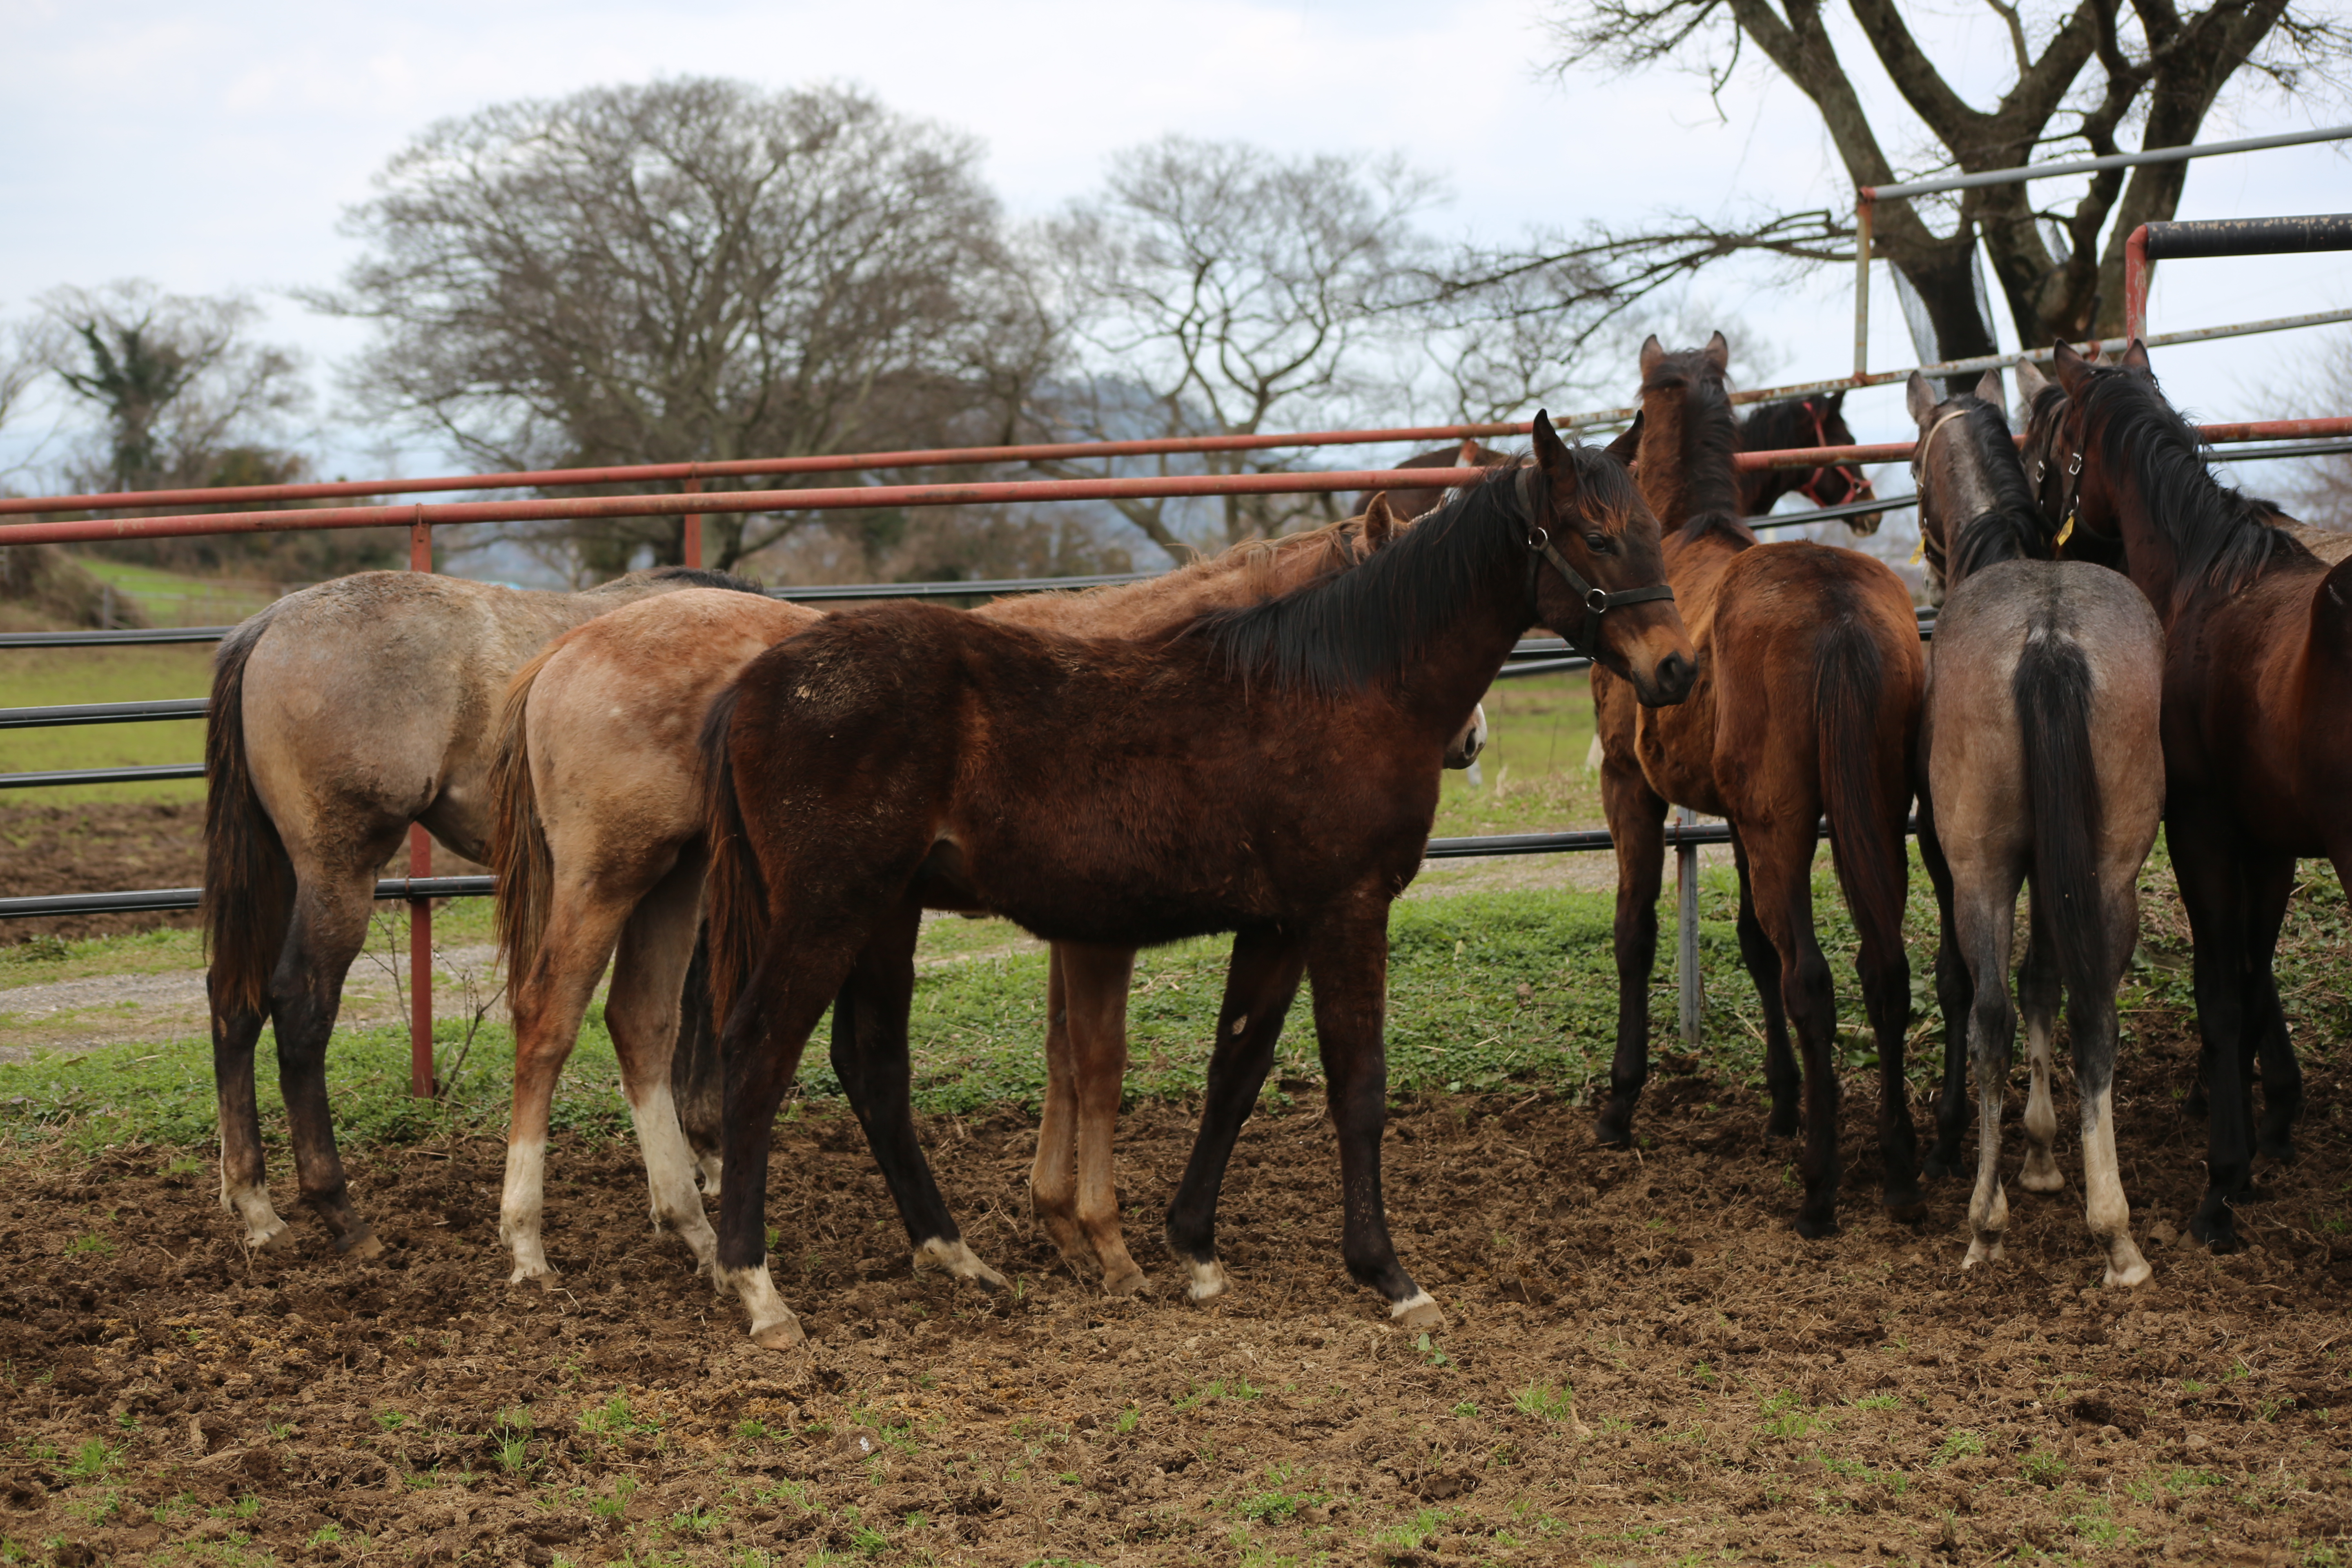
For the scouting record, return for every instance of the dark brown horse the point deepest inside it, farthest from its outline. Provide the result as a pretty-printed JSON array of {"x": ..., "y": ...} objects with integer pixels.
[
  {"x": 2039, "y": 761},
  {"x": 1793, "y": 422},
  {"x": 1806, "y": 702},
  {"x": 1469, "y": 456},
  {"x": 1270, "y": 770},
  {"x": 2257, "y": 728}
]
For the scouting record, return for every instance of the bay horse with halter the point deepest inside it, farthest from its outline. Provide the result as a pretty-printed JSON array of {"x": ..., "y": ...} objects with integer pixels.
[
  {"x": 1271, "y": 771},
  {"x": 2039, "y": 752},
  {"x": 1807, "y": 704},
  {"x": 600, "y": 855},
  {"x": 2257, "y": 728},
  {"x": 1817, "y": 419},
  {"x": 339, "y": 715}
]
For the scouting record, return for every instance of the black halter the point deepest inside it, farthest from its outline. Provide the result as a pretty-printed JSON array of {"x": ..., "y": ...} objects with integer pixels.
[{"x": 1597, "y": 602}]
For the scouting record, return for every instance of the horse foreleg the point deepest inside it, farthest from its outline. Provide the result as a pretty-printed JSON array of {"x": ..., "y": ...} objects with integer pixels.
[
  {"x": 1260, "y": 981},
  {"x": 2208, "y": 867},
  {"x": 2270, "y": 883},
  {"x": 330, "y": 926},
  {"x": 1347, "y": 956},
  {"x": 642, "y": 1012},
  {"x": 1636, "y": 824},
  {"x": 1053, "y": 1173},
  {"x": 1955, "y": 994},
  {"x": 2038, "y": 991},
  {"x": 1782, "y": 1079},
  {"x": 548, "y": 1003},
  {"x": 1097, "y": 982},
  {"x": 869, "y": 1057}
]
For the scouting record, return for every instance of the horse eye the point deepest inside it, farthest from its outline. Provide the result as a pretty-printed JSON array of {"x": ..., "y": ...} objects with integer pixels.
[{"x": 1597, "y": 542}]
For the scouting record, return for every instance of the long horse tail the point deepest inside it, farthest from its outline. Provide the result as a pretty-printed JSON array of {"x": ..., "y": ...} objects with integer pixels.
[
  {"x": 737, "y": 914},
  {"x": 1849, "y": 691},
  {"x": 519, "y": 852},
  {"x": 248, "y": 897},
  {"x": 2051, "y": 690}
]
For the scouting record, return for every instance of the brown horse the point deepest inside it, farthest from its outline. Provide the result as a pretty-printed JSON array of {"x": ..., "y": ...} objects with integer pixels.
[
  {"x": 1807, "y": 701},
  {"x": 2257, "y": 728},
  {"x": 1270, "y": 770},
  {"x": 1817, "y": 420},
  {"x": 1408, "y": 504},
  {"x": 2039, "y": 752},
  {"x": 599, "y": 847},
  {"x": 339, "y": 715}
]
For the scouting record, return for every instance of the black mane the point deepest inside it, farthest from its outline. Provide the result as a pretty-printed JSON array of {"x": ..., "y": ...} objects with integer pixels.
[
  {"x": 2012, "y": 528},
  {"x": 1711, "y": 439},
  {"x": 2221, "y": 539},
  {"x": 1369, "y": 622},
  {"x": 704, "y": 577}
]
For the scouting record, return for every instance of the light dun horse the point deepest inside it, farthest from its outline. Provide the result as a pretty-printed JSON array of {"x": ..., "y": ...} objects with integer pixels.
[
  {"x": 339, "y": 715},
  {"x": 2038, "y": 749},
  {"x": 1270, "y": 770},
  {"x": 2257, "y": 726},
  {"x": 1807, "y": 701},
  {"x": 601, "y": 857}
]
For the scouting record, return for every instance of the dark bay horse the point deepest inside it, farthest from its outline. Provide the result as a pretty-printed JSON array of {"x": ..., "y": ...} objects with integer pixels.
[
  {"x": 1270, "y": 770},
  {"x": 339, "y": 715},
  {"x": 1806, "y": 702},
  {"x": 2257, "y": 728},
  {"x": 1817, "y": 420},
  {"x": 599, "y": 849},
  {"x": 2039, "y": 752}
]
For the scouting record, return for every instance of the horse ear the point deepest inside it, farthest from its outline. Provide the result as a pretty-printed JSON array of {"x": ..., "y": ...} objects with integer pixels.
[
  {"x": 2030, "y": 380},
  {"x": 2074, "y": 370},
  {"x": 1652, "y": 350},
  {"x": 1380, "y": 522},
  {"x": 1920, "y": 398},
  {"x": 1626, "y": 447},
  {"x": 2136, "y": 359},
  {"x": 1552, "y": 458},
  {"x": 1989, "y": 387},
  {"x": 1833, "y": 404},
  {"x": 1718, "y": 352}
]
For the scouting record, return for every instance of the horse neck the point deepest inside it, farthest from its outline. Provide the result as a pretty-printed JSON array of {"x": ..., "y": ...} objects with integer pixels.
[
  {"x": 1460, "y": 663},
  {"x": 1662, "y": 468},
  {"x": 1241, "y": 575},
  {"x": 1760, "y": 488}
]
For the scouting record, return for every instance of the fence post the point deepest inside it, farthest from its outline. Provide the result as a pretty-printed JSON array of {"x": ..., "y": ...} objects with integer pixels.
[
  {"x": 690, "y": 544},
  {"x": 1687, "y": 928},
  {"x": 2136, "y": 283},
  {"x": 420, "y": 911},
  {"x": 1862, "y": 209}
]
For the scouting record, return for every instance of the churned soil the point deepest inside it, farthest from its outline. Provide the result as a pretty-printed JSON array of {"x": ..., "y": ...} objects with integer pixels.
[{"x": 1642, "y": 1363}]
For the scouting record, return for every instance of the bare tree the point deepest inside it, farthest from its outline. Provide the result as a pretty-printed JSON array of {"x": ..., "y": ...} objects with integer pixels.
[
  {"x": 693, "y": 269},
  {"x": 2080, "y": 76},
  {"x": 180, "y": 386},
  {"x": 1219, "y": 290}
]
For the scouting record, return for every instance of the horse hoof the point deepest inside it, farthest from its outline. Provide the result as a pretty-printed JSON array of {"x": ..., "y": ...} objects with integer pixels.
[
  {"x": 362, "y": 1245},
  {"x": 2136, "y": 1273},
  {"x": 1908, "y": 1208},
  {"x": 2045, "y": 1177},
  {"x": 1936, "y": 1167},
  {"x": 1982, "y": 1251},
  {"x": 2218, "y": 1232},
  {"x": 1817, "y": 1229},
  {"x": 960, "y": 1260},
  {"x": 539, "y": 1274},
  {"x": 2280, "y": 1149},
  {"x": 780, "y": 1336},
  {"x": 1613, "y": 1132},
  {"x": 277, "y": 1238},
  {"x": 1417, "y": 1313},
  {"x": 1781, "y": 1124},
  {"x": 1209, "y": 1281},
  {"x": 1133, "y": 1282}
]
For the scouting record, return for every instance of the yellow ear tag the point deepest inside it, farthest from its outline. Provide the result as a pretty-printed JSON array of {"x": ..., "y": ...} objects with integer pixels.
[
  {"x": 2066, "y": 532},
  {"x": 1919, "y": 551}
]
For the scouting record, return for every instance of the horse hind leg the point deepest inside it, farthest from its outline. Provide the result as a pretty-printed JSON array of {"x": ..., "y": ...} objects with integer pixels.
[
  {"x": 2270, "y": 883},
  {"x": 1097, "y": 983},
  {"x": 2038, "y": 994},
  {"x": 329, "y": 929},
  {"x": 245, "y": 1189},
  {"x": 1783, "y": 1080},
  {"x": 657, "y": 947},
  {"x": 1053, "y": 1172},
  {"x": 1987, "y": 912}
]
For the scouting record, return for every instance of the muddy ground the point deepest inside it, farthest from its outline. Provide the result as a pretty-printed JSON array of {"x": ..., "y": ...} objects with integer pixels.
[{"x": 1641, "y": 1363}]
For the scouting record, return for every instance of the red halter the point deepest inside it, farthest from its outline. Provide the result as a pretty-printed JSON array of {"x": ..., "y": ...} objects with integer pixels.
[{"x": 1811, "y": 488}]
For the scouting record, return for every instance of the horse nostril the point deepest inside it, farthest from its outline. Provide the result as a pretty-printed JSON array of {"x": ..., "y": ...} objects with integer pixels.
[{"x": 1675, "y": 672}]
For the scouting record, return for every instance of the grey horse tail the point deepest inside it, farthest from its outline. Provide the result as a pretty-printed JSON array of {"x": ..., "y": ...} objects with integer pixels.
[
  {"x": 737, "y": 925},
  {"x": 519, "y": 852},
  {"x": 1849, "y": 686},
  {"x": 248, "y": 898},
  {"x": 2051, "y": 690}
]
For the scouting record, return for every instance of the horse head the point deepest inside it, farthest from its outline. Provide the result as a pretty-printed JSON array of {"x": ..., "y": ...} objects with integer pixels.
[
  {"x": 1605, "y": 590},
  {"x": 1975, "y": 506}
]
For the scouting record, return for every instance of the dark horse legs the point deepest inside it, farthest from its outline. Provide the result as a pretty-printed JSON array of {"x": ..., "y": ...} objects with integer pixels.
[
  {"x": 1955, "y": 997},
  {"x": 1782, "y": 1077},
  {"x": 1260, "y": 983},
  {"x": 2207, "y": 861},
  {"x": 1636, "y": 822}
]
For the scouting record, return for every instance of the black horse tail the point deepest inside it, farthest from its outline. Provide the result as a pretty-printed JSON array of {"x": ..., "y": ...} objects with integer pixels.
[
  {"x": 248, "y": 896},
  {"x": 2051, "y": 690},
  {"x": 737, "y": 921},
  {"x": 1865, "y": 824},
  {"x": 696, "y": 1084}
]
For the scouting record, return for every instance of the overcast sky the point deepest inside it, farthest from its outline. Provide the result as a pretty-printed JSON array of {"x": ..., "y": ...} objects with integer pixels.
[{"x": 213, "y": 147}]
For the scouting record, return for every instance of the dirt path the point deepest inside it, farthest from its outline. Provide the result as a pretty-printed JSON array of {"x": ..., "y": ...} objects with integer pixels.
[{"x": 1642, "y": 1364}]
